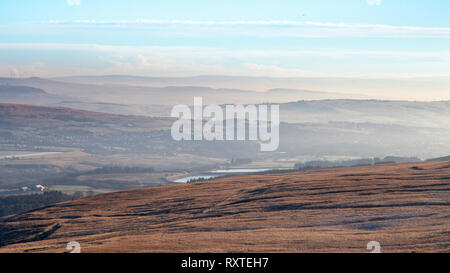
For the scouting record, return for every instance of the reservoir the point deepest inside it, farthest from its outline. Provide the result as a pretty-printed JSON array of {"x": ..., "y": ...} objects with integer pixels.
[{"x": 218, "y": 173}]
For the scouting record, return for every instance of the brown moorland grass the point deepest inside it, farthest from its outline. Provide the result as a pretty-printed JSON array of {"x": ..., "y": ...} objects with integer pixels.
[{"x": 405, "y": 207}]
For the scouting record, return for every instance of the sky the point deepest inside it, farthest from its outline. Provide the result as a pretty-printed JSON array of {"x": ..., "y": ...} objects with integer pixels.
[{"x": 309, "y": 38}]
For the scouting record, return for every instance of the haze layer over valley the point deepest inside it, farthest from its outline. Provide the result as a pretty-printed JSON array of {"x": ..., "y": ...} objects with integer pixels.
[{"x": 224, "y": 126}]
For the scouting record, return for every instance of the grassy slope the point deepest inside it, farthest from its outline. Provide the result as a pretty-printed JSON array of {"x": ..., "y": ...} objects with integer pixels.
[{"x": 406, "y": 207}]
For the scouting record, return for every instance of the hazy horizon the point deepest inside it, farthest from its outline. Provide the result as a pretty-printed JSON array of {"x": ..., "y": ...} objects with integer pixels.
[{"x": 395, "y": 49}]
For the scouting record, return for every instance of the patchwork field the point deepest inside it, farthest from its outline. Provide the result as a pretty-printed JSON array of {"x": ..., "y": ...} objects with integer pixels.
[{"x": 405, "y": 207}]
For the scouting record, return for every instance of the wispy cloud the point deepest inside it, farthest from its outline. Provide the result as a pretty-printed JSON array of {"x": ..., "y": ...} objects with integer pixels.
[
  {"x": 192, "y": 60},
  {"x": 210, "y": 51},
  {"x": 373, "y": 2},
  {"x": 280, "y": 28},
  {"x": 73, "y": 2}
]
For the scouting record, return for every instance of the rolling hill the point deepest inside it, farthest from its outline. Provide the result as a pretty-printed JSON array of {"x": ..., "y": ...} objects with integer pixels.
[
  {"x": 35, "y": 116},
  {"x": 11, "y": 90},
  {"x": 444, "y": 158},
  {"x": 405, "y": 207},
  {"x": 428, "y": 88},
  {"x": 112, "y": 90},
  {"x": 26, "y": 94}
]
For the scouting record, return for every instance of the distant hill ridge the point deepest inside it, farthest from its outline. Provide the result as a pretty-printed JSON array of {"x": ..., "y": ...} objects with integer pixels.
[
  {"x": 444, "y": 158},
  {"x": 18, "y": 110},
  {"x": 20, "y": 90},
  {"x": 33, "y": 115}
]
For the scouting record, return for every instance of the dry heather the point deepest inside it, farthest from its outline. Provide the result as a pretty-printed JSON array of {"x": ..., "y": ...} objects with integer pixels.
[{"x": 405, "y": 207}]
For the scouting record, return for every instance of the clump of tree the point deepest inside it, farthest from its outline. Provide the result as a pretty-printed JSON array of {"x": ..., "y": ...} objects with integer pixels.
[
  {"x": 22, "y": 203},
  {"x": 200, "y": 179},
  {"x": 240, "y": 161},
  {"x": 318, "y": 164}
]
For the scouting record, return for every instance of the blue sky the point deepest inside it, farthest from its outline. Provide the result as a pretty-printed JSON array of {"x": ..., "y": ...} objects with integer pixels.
[
  {"x": 326, "y": 38},
  {"x": 394, "y": 12}
]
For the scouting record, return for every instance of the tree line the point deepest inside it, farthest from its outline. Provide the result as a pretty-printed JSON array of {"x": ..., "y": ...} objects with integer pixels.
[{"x": 22, "y": 203}]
